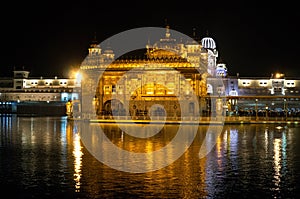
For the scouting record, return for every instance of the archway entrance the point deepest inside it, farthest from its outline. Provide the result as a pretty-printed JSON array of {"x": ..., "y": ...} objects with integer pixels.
[{"x": 114, "y": 107}]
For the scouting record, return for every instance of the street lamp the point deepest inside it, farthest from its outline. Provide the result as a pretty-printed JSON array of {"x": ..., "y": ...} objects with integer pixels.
[{"x": 256, "y": 109}]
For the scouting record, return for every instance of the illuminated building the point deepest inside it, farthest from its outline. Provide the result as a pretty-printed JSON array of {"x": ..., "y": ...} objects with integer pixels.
[
  {"x": 276, "y": 95},
  {"x": 25, "y": 95},
  {"x": 169, "y": 68},
  {"x": 157, "y": 81}
]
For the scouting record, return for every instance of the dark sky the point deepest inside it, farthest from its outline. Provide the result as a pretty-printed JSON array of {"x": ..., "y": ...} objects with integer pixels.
[{"x": 48, "y": 38}]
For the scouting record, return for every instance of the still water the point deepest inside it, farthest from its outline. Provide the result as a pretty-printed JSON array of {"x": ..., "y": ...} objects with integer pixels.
[{"x": 44, "y": 157}]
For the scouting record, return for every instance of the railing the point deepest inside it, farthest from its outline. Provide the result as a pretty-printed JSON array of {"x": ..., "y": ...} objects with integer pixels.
[
  {"x": 207, "y": 120},
  {"x": 261, "y": 118}
]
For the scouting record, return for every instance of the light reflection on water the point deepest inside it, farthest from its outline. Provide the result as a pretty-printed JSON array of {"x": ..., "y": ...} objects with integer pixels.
[
  {"x": 44, "y": 157},
  {"x": 77, "y": 152},
  {"x": 277, "y": 162}
]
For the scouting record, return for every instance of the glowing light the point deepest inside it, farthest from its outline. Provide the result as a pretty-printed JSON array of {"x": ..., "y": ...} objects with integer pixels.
[
  {"x": 77, "y": 161},
  {"x": 78, "y": 77},
  {"x": 279, "y": 127},
  {"x": 219, "y": 150},
  {"x": 277, "y": 162},
  {"x": 266, "y": 140},
  {"x": 278, "y": 75}
]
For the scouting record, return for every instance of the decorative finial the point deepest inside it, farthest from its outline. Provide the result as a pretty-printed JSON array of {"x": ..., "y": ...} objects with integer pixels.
[
  {"x": 94, "y": 42},
  {"x": 166, "y": 22},
  {"x": 168, "y": 32},
  {"x": 148, "y": 41},
  {"x": 167, "y": 29}
]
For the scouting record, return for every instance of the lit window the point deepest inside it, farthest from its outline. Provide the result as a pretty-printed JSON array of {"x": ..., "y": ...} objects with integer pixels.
[
  {"x": 149, "y": 91},
  {"x": 170, "y": 89},
  {"x": 106, "y": 90}
]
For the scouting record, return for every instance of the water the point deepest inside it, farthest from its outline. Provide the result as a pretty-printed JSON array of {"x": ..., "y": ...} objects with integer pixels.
[{"x": 43, "y": 157}]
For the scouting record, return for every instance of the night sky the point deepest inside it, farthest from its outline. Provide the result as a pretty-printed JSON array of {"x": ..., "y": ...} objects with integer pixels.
[{"x": 49, "y": 38}]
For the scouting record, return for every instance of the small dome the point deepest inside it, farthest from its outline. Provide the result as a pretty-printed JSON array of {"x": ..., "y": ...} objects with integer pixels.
[
  {"x": 221, "y": 70},
  {"x": 221, "y": 67},
  {"x": 208, "y": 42}
]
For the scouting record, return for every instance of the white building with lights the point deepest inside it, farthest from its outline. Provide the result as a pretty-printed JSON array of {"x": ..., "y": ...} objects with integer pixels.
[
  {"x": 275, "y": 95},
  {"x": 25, "y": 95}
]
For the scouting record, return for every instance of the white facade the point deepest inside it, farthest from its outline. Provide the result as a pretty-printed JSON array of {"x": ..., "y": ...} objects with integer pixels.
[{"x": 24, "y": 88}]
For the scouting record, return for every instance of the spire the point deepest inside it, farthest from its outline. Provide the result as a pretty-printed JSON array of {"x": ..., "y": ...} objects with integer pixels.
[
  {"x": 194, "y": 32},
  {"x": 94, "y": 42},
  {"x": 148, "y": 42},
  {"x": 166, "y": 22},
  {"x": 195, "y": 38},
  {"x": 95, "y": 37},
  {"x": 167, "y": 29}
]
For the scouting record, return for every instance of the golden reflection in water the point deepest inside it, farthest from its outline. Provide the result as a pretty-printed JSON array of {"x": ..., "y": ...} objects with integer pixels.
[
  {"x": 183, "y": 167},
  {"x": 219, "y": 148},
  {"x": 139, "y": 145},
  {"x": 225, "y": 136},
  {"x": 277, "y": 162},
  {"x": 77, "y": 152},
  {"x": 266, "y": 141}
]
